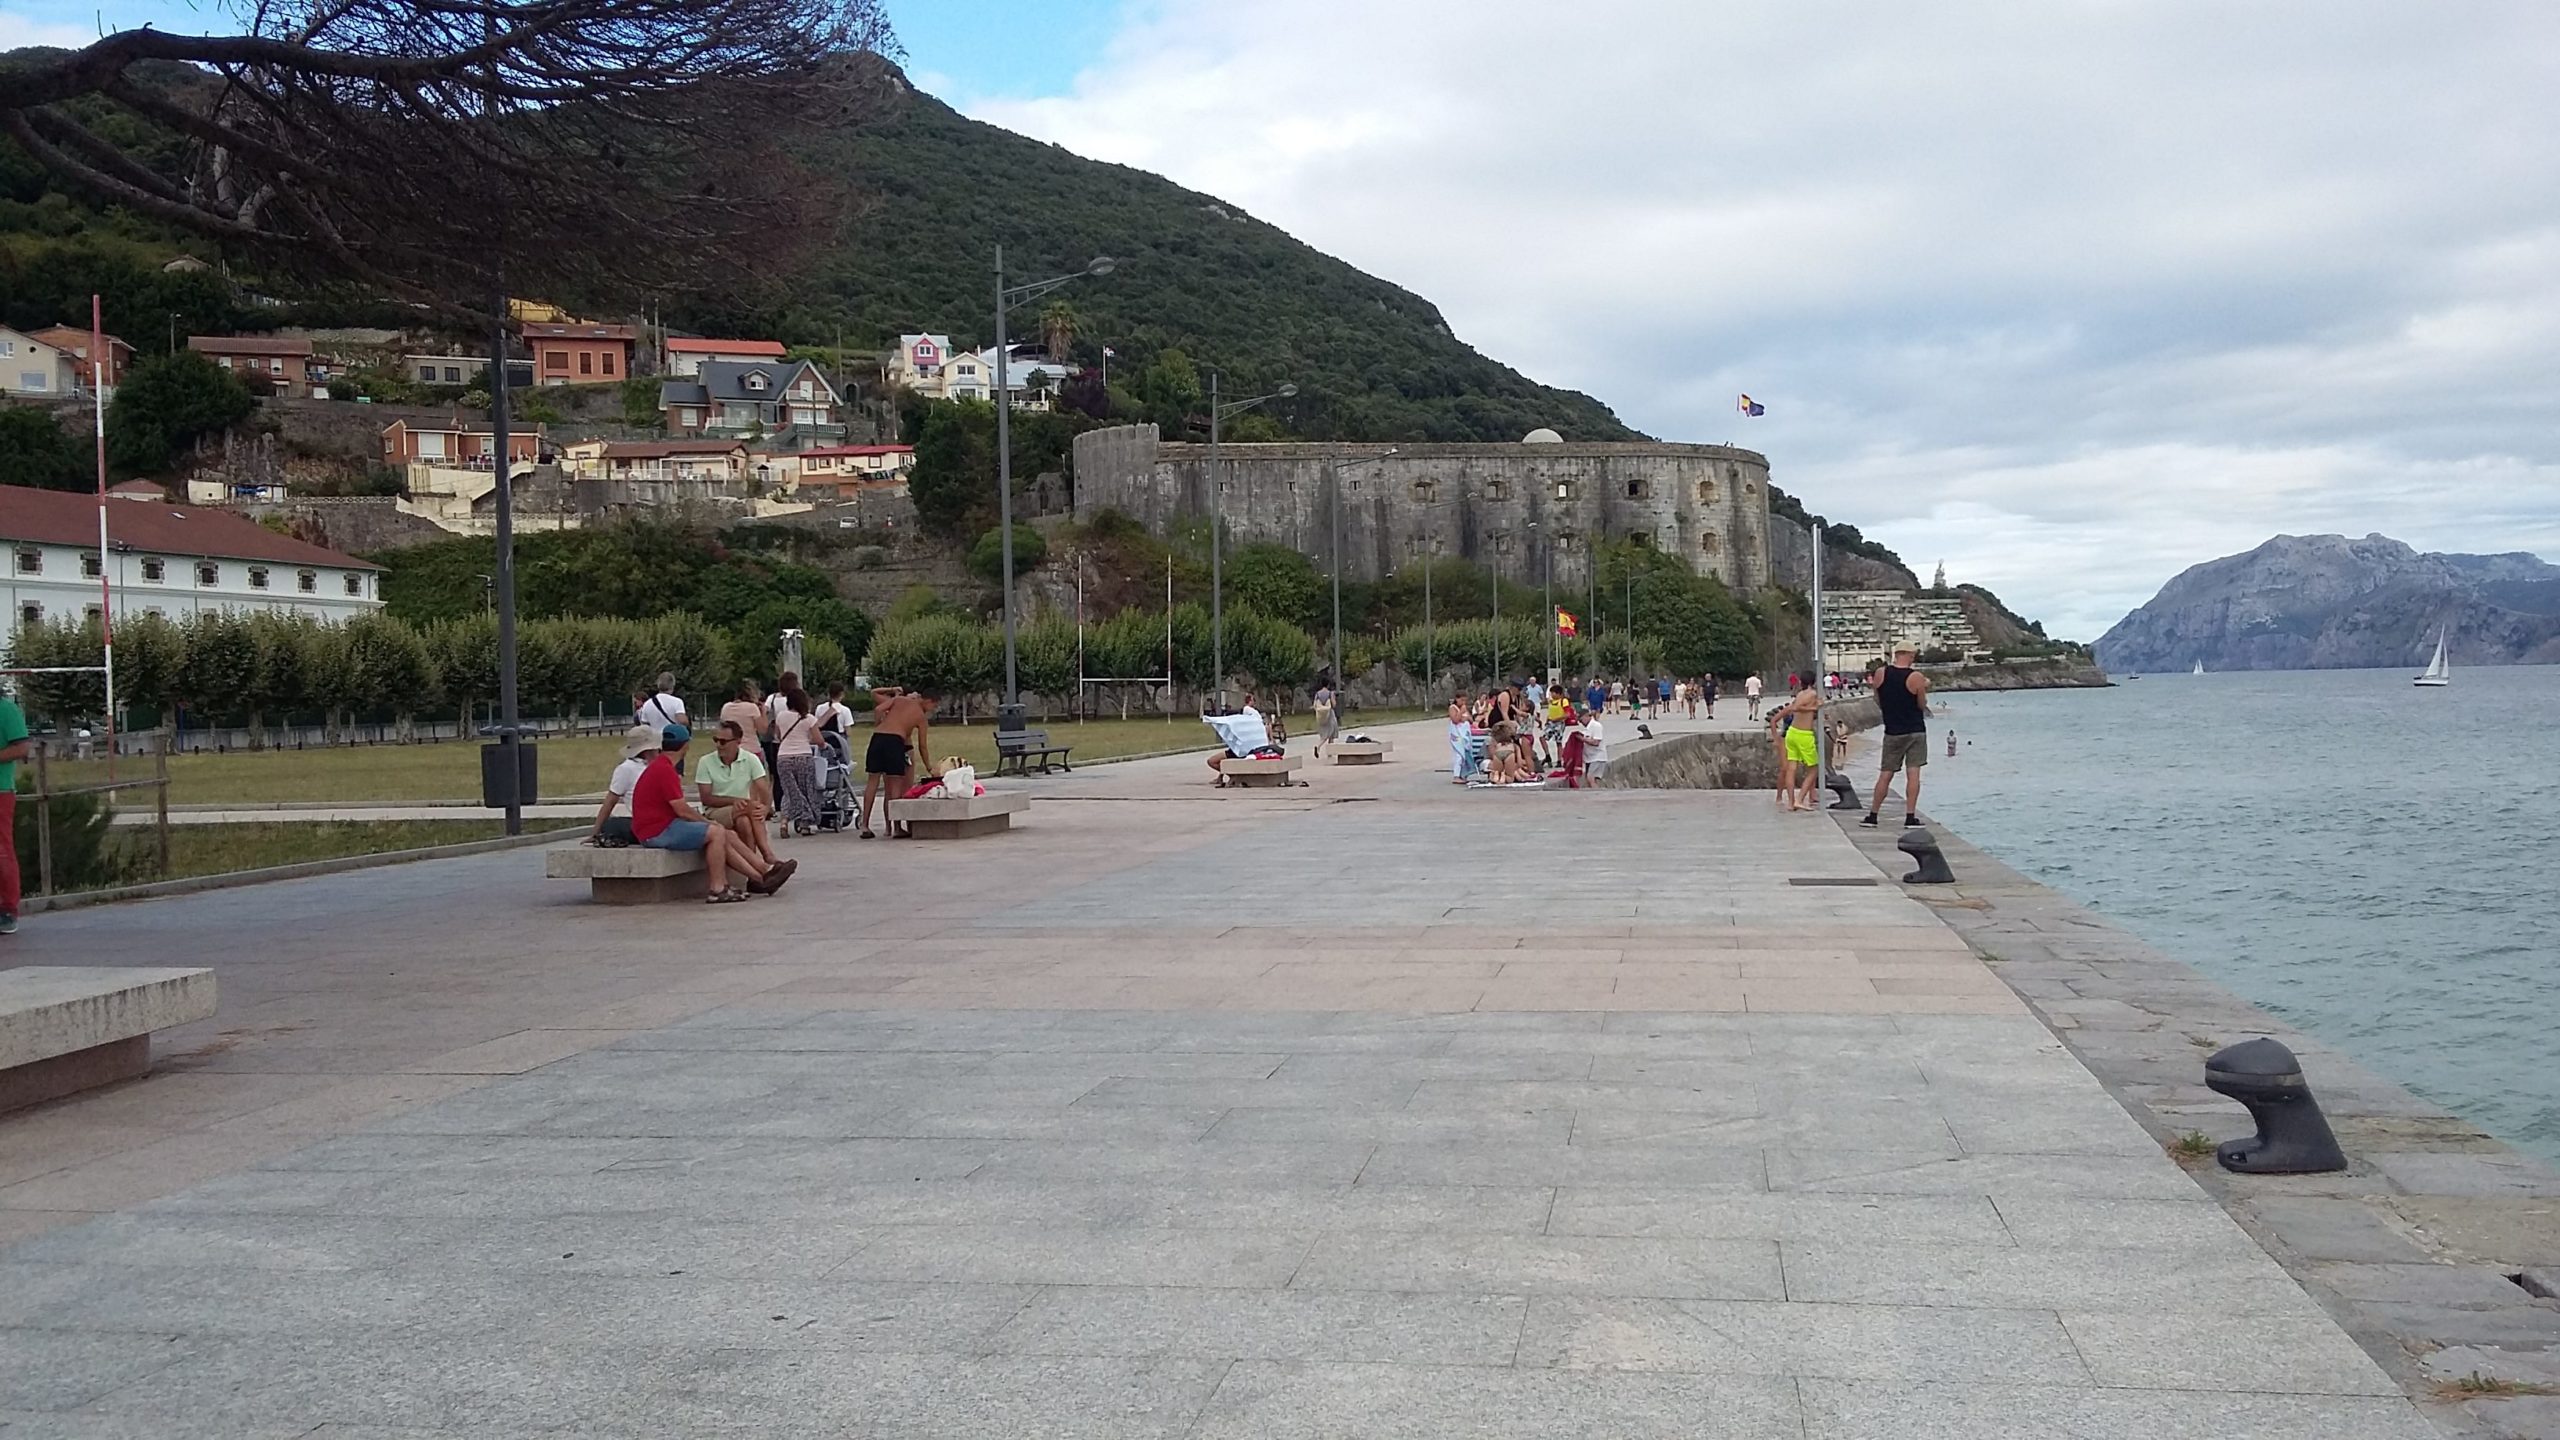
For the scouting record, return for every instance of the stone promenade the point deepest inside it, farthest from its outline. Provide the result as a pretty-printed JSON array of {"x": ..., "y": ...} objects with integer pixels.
[{"x": 1375, "y": 1108}]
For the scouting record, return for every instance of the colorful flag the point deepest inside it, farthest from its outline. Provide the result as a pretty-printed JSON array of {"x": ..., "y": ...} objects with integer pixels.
[
  {"x": 1566, "y": 625},
  {"x": 1749, "y": 406}
]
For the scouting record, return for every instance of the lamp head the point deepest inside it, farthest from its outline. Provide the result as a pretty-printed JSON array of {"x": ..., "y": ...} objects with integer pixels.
[
  {"x": 1102, "y": 265},
  {"x": 1285, "y": 391}
]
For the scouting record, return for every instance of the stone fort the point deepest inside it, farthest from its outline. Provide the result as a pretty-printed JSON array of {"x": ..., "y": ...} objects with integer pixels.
[{"x": 1491, "y": 504}]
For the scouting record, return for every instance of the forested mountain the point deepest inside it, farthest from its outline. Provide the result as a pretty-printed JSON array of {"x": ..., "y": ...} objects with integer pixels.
[{"x": 933, "y": 193}]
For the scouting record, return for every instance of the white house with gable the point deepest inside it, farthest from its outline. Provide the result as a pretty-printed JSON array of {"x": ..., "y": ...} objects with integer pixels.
[{"x": 165, "y": 559}]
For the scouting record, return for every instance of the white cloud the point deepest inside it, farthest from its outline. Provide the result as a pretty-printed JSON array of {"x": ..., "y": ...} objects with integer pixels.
[
  {"x": 2072, "y": 294},
  {"x": 18, "y": 31}
]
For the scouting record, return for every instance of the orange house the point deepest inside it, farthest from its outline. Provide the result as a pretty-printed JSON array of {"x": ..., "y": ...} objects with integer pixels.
[
  {"x": 452, "y": 443},
  {"x": 577, "y": 353},
  {"x": 74, "y": 342}
]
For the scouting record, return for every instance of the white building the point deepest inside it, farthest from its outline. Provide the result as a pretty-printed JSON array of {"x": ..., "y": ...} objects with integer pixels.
[
  {"x": 686, "y": 354},
  {"x": 1860, "y": 625},
  {"x": 1034, "y": 378},
  {"x": 29, "y": 366},
  {"x": 170, "y": 560}
]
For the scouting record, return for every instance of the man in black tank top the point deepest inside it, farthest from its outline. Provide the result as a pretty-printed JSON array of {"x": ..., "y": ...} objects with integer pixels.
[{"x": 1902, "y": 696}]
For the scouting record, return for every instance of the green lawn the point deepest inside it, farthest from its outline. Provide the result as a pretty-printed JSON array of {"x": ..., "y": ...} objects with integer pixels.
[{"x": 450, "y": 770}]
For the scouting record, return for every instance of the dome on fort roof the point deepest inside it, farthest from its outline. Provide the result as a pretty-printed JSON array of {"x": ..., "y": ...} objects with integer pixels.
[{"x": 1542, "y": 436}]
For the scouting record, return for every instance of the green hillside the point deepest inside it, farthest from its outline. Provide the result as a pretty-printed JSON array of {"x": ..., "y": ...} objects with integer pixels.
[{"x": 934, "y": 192}]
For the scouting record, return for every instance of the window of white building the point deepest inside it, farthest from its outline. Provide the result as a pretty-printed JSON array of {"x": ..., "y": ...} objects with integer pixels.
[
  {"x": 31, "y": 613},
  {"x": 30, "y": 562},
  {"x": 257, "y": 577},
  {"x": 154, "y": 569},
  {"x": 208, "y": 573},
  {"x": 355, "y": 585},
  {"x": 310, "y": 581},
  {"x": 89, "y": 564}
]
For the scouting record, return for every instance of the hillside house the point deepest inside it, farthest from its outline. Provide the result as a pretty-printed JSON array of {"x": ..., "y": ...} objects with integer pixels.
[
  {"x": 73, "y": 340},
  {"x": 703, "y": 462},
  {"x": 456, "y": 445},
  {"x": 268, "y": 364},
  {"x": 1030, "y": 374},
  {"x": 926, "y": 365},
  {"x": 29, "y": 366},
  {"x": 686, "y": 354},
  {"x": 165, "y": 559},
  {"x": 841, "y": 471},
  {"x": 579, "y": 353},
  {"x": 775, "y": 401}
]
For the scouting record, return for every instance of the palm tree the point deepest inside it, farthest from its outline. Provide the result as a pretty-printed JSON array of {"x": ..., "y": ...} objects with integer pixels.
[{"x": 1058, "y": 329}]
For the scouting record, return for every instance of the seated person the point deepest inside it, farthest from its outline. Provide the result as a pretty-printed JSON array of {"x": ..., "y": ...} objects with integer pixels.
[
  {"x": 734, "y": 791},
  {"x": 1243, "y": 732},
  {"x": 662, "y": 820},
  {"x": 638, "y": 744}
]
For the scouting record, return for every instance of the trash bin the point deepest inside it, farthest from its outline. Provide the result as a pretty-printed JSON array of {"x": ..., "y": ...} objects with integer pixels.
[
  {"x": 494, "y": 786},
  {"x": 1010, "y": 718}
]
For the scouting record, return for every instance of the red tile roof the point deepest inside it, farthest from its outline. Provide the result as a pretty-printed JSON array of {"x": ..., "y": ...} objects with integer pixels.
[
  {"x": 687, "y": 345},
  {"x": 544, "y": 331},
  {"x": 69, "y": 517},
  {"x": 830, "y": 452},
  {"x": 663, "y": 449},
  {"x": 247, "y": 345},
  {"x": 66, "y": 337}
]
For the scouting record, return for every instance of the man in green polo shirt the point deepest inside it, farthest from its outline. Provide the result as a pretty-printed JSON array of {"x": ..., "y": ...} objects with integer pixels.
[
  {"x": 735, "y": 789},
  {"x": 13, "y": 748}
]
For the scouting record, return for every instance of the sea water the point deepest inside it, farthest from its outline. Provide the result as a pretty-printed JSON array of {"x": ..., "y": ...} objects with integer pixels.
[{"x": 2377, "y": 863}]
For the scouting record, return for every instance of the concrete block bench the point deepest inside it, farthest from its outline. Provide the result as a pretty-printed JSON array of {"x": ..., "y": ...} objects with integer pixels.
[
  {"x": 957, "y": 817},
  {"x": 630, "y": 875},
  {"x": 1258, "y": 773},
  {"x": 1360, "y": 752},
  {"x": 68, "y": 1028}
]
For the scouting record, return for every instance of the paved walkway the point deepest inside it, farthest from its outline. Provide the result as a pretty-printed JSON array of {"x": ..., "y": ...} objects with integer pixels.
[{"x": 1376, "y": 1108}]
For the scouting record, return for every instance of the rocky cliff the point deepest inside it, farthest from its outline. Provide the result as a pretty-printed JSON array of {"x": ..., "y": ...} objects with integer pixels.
[{"x": 2327, "y": 602}]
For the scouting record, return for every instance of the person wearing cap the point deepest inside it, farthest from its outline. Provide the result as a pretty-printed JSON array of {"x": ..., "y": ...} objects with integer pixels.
[
  {"x": 662, "y": 819},
  {"x": 638, "y": 743}
]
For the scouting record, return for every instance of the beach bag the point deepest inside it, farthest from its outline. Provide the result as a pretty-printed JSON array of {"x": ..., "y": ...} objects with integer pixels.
[{"x": 959, "y": 778}]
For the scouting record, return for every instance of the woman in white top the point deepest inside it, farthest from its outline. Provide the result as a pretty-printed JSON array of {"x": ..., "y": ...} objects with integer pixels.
[{"x": 795, "y": 736}]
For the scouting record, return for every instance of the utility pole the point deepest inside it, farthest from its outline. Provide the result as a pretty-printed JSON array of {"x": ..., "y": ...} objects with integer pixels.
[{"x": 1217, "y": 544}]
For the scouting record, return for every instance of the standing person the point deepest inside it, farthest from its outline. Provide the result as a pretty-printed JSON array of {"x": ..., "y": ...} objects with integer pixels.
[
  {"x": 1751, "y": 692},
  {"x": 1661, "y": 697},
  {"x": 1801, "y": 771},
  {"x": 745, "y": 709},
  {"x": 661, "y": 707},
  {"x": 1951, "y": 744},
  {"x": 1707, "y": 684},
  {"x": 1595, "y": 696},
  {"x": 1328, "y": 723},
  {"x": 662, "y": 820},
  {"x": 1595, "y": 747},
  {"x": 775, "y": 712},
  {"x": 1902, "y": 696},
  {"x": 14, "y": 747},
  {"x": 795, "y": 742},
  {"x": 1461, "y": 733},
  {"x": 899, "y": 734},
  {"x": 734, "y": 790},
  {"x": 1617, "y": 696}
]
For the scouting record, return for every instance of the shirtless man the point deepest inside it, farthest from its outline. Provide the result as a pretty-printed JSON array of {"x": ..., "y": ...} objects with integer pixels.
[
  {"x": 899, "y": 734},
  {"x": 1800, "y": 772}
]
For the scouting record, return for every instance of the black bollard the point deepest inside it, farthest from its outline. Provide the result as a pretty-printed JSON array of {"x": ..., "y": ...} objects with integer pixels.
[
  {"x": 1922, "y": 846},
  {"x": 1847, "y": 793},
  {"x": 2293, "y": 1136}
]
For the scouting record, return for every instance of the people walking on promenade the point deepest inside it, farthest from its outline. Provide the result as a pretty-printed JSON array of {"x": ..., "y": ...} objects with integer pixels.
[
  {"x": 1707, "y": 684},
  {"x": 796, "y": 759},
  {"x": 1800, "y": 762},
  {"x": 1902, "y": 697},
  {"x": 1751, "y": 692},
  {"x": 1328, "y": 723}
]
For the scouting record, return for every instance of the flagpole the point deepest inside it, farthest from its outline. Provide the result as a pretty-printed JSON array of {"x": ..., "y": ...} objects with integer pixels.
[{"x": 106, "y": 583}]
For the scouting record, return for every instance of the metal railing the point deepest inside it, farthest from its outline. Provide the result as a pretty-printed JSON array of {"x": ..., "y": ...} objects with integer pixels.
[{"x": 46, "y": 792}]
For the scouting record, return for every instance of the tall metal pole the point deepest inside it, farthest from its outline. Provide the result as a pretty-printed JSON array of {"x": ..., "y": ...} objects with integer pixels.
[
  {"x": 1497, "y": 607},
  {"x": 1430, "y": 661},
  {"x": 1555, "y": 660},
  {"x": 504, "y": 581},
  {"x": 1004, "y": 486},
  {"x": 1821, "y": 663},
  {"x": 1336, "y": 546},
  {"x": 1217, "y": 576},
  {"x": 98, "y": 358}
]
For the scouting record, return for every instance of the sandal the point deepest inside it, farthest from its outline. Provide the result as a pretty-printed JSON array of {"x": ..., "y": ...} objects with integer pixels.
[{"x": 725, "y": 897}]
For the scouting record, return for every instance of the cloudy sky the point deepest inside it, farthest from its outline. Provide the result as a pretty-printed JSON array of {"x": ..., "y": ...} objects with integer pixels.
[{"x": 2070, "y": 295}]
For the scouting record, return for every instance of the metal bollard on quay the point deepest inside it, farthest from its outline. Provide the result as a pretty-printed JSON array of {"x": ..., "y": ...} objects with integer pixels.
[
  {"x": 1846, "y": 794},
  {"x": 2293, "y": 1136},
  {"x": 1922, "y": 846}
]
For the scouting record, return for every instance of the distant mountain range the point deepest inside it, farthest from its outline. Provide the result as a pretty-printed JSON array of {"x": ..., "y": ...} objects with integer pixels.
[{"x": 2323, "y": 602}]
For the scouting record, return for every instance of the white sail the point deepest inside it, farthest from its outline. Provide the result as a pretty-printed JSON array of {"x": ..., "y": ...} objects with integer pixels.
[
  {"x": 2439, "y": 670},
  {"x": 2199, "y": 668}
]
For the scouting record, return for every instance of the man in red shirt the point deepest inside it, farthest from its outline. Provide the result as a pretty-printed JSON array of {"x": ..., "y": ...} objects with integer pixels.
[{"x": 661, "y": 819}]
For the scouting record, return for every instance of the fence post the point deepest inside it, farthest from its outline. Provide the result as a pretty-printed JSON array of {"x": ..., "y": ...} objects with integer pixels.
[
  {"x": 44, "y": 825},
  {"x": 160, "y": 790}
]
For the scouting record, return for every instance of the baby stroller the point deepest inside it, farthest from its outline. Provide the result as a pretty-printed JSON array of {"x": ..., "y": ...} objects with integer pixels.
[{"x": 837, "y": 792}]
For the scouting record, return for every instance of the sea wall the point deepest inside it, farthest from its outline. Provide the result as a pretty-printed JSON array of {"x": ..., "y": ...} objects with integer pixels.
[
  {"x": 1719, "y": 759},
  {"x": 2019, "y": 675}
]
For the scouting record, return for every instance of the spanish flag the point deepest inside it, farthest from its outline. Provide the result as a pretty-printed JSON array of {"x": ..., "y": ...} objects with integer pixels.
[{"x": 1566, "y": 625}]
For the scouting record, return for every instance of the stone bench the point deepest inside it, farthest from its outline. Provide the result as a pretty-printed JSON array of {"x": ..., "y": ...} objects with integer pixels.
[
  {"x": 1360, "y": 752},
  {"x": 1259, "y": 773},
  {"x": 628, "y": 875},
  {"x": 68, "y": 1028},
  {"x": 957, "y": 817}
]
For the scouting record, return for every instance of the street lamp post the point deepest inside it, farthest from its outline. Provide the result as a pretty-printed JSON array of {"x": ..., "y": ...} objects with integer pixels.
[
  {"x": 1555, "y": 659},
  {"x": 1006, "y": 299},
  {"x": 1497, "y": 606},
  {"x": 1218, "y": 412},
  {"x": 1334, "y": 544}
]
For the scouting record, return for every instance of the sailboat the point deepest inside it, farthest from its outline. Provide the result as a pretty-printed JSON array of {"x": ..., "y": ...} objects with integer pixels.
[
  {"x": 2438, "y": 671},
  {"x": 2198, "y": 670}
]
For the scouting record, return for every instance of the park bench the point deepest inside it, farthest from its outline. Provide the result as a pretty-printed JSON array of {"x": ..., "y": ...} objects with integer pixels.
[
  {"x": 1016, "y": 749},
  {"x": 1359, "y": 752},
  {"x": 628, "y": 875},
  {"x": 956, "y": 817},
  {"x": 1259, "y": 773},
  {"x": 68, "y": 1028}
]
